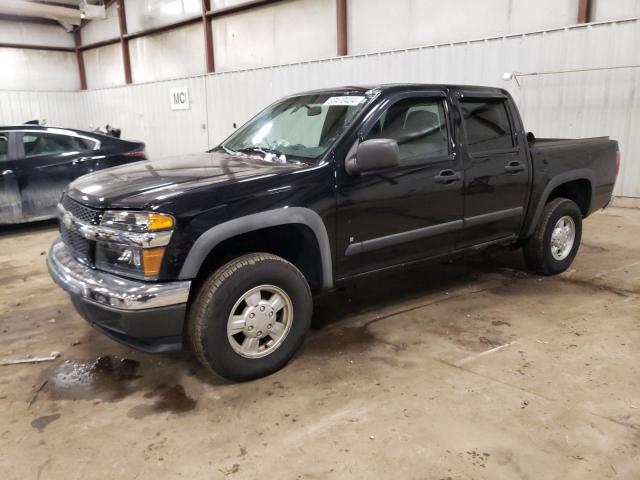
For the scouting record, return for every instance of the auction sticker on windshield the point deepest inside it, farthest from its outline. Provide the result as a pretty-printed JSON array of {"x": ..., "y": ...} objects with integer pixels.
[{"x": 345, "y": 100}]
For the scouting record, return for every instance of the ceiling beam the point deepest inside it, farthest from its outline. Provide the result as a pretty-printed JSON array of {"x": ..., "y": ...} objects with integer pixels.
[
  {"x": 27, "y": 19},
  {"x": 36, "y": 47},
  {"x": 66, "y": 15},
  {"x": 54, "y": 3},
  {"x": 584, "y": 11}
]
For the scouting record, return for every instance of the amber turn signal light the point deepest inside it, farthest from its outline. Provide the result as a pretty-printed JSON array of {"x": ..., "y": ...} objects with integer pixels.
[
  {"x": 160, "y": 221},
  {"x": 152, "y": 260}
]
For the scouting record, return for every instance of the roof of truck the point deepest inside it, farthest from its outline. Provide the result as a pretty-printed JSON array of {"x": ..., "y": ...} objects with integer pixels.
[{"x": 395, "y": 87}]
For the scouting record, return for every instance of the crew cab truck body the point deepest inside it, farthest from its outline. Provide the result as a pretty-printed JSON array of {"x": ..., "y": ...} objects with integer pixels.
[{"x": 223, "y": 251}]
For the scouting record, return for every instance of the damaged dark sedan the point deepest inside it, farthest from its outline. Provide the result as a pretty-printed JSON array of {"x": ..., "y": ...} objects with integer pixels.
[{"x": 38, "y": 162}]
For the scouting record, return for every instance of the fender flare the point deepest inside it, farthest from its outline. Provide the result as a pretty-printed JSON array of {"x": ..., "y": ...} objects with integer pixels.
[
  {"x": 581, "y": 174},
  {"x": 270, "y": 218}
]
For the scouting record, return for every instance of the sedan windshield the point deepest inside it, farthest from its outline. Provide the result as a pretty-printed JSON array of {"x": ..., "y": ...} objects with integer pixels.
[{"x": 298, "y": 128}]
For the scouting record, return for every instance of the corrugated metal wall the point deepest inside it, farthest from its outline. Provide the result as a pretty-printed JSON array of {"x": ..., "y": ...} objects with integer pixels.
[
  {"x": 57, "y": 108},
  {"x": 570, "y": 104},
  {"x": 143, "y": 112}
]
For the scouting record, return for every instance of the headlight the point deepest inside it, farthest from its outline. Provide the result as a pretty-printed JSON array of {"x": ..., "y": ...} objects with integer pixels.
[
  {"x": 133, "y": 243},
  {"x": 137, "y": 221}
]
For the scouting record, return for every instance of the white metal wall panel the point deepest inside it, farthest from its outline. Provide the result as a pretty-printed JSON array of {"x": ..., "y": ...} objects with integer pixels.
[
  {"x": 284, "y": 32},
  {"x": 143, "y": 112},
  {"x": 380, "y": 24},
  {"x": 145, "y": 14},
  {"x": 104, "y": 67},
  {"x": 174, "y": 54},
  {"x": 57, "y": 108},
  {"x": 38, "y": 70},
  {"x": 605, "y": 10},
  {"x": 102, "y": 29}
]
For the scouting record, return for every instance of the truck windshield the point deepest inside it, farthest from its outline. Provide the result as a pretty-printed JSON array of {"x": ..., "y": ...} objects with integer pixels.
[{"x": 298, "y": 128}]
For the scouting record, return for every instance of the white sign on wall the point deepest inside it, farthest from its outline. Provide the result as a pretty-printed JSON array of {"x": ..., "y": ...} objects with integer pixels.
[{"x": 179, "y": 98}]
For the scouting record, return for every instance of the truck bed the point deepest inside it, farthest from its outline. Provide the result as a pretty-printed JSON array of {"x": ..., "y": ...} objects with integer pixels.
[{"x": 558, "y": 160}]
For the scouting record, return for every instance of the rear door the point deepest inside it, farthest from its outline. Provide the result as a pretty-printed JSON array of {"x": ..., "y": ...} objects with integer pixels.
[
  {"x": 409, "y": 212},
  {"x": 47, "y": 164},
  {"x": 10, "y": 204},
  {"x": 496, "y": 168}
]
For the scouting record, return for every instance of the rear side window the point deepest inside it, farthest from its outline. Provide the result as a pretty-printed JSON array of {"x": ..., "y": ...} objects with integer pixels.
[
  {"x": 4, "y": 146},
  {"x": 418, "y": 125},
  {"x": 86, "y": 144},
  {"x": 487, "y": 125},
  {"x": 43, "y": 143}
]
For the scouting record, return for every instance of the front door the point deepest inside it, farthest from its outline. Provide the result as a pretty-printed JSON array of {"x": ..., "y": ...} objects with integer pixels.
[
  {"x": 10, "y": 204},
  {"x": 412, "y": 211},
  {"x": 496, "y": 169},
  {"x": 47, "y": 165}
]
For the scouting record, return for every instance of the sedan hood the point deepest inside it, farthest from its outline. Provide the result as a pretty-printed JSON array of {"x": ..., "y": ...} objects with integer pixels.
[{"x": 143, "y": 184}]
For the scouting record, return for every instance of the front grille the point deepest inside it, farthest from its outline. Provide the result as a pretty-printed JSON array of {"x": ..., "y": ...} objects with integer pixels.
[
  {"x": 80, "y": 247},
  {"x": 81, "y": 212}
]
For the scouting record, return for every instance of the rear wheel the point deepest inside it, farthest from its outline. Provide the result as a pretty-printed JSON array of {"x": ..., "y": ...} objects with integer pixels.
[
  {"x": 556, "y": 239},
  {"x": 250, "y": 316}
]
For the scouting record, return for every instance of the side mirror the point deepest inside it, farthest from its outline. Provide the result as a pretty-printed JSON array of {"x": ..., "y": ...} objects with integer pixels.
[
  {"x": 374, "y": 154},
  {"x": 531, "y": 137}
]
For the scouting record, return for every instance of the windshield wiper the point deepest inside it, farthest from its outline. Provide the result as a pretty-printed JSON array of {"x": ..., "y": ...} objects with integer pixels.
[
  {"x": 221, "y": 148},
  {"x": 264, "y": 150},
  {"x": 268, "y": 152}
]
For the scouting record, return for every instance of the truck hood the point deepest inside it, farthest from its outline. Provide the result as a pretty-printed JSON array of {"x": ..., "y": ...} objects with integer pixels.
[{"x": 143, "y": 184}]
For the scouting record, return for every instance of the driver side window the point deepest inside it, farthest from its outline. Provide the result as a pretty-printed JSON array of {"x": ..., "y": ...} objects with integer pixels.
[{"x": 418, "y": 125}]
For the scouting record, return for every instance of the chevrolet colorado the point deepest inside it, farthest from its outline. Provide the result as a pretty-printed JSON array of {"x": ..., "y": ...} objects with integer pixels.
[{"x": 223, "y": 251}]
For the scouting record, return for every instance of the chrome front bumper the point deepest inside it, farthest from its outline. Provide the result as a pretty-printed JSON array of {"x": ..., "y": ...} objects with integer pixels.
[{"x": 110, "y": 290}]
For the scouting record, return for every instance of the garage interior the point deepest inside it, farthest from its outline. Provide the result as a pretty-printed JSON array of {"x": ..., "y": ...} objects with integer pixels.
[{"x": 472, "y": 368}]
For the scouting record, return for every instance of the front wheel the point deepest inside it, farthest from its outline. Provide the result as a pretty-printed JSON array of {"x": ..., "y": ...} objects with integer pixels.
[
  {"x": 250, "y": 316},
  {"x": 556, "y": 239}
]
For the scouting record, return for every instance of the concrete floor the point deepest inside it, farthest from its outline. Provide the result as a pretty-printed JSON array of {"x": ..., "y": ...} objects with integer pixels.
[{"x": 473, "y": 369}]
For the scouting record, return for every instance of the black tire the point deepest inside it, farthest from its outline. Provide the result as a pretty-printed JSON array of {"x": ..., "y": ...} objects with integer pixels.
[
  {"x": 537, "y": 249},
  {"x": 209, "y": 314}
]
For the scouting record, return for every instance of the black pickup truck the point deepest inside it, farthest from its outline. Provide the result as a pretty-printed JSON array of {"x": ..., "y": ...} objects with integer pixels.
[{"x": 223, "y": 251}]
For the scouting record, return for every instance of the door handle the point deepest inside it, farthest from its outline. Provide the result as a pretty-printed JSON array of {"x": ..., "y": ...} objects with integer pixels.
[
  {"x": 6, "y": 172},
  {"x": 447, "y": 177},
  {"x": 514, "y": 167}
]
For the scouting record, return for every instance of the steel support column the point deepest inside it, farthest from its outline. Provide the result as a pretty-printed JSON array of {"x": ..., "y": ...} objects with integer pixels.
[
  {"x": 124, "y": 42},
  {"x": 208, "y": 36},
  {"x": 83, "y": 74},
  {"x": 584, "y": 11},
  {"x": 341, "y": 20}
]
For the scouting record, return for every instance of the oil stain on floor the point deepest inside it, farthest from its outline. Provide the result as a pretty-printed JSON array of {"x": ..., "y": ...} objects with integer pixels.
[
  {"x": 170, "y": 399},
  {"x": 41, "y": 423},
  {"x": 107, "y": 378}
]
